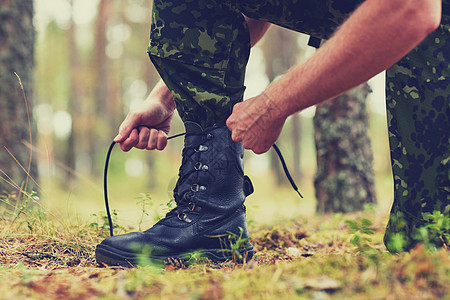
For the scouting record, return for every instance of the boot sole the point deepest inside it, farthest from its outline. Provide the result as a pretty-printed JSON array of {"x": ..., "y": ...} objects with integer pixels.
[{"x": 109, "y": 256}]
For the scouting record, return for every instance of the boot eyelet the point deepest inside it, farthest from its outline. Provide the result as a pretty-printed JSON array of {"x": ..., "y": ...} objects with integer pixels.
[
  {"x": 201, "y": 167},
  {"x": 201, "y": 148},
  {"x": 184, "y": 218},
  {"x": 209, "y": 136},
  {"x": 188, "y": 196},
  {"x": 195, "y": 188}
]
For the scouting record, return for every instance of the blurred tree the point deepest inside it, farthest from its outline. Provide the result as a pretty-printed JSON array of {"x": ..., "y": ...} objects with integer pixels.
[
  {"x": 77, "y": 74},
  {"x": 281, "y": 51},
  {"x": 344, "y": 181},
  {"x": 101, "y": 113},
  {"x": 75, "y": 100},
  {"x": 16, "y": 122}
]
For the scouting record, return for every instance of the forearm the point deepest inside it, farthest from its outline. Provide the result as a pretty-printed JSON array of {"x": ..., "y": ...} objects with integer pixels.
[
  {"x": 257, "y": 29},
  {"x": 379, "y": 33},
  {"x": 162, "y": 93}
]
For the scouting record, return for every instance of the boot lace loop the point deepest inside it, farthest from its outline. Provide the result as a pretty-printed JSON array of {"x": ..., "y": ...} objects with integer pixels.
[{"x": 186, "y": 202}]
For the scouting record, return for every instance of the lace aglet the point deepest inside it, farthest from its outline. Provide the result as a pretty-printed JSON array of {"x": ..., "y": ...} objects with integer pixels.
[{"x": 286, "y": 171}]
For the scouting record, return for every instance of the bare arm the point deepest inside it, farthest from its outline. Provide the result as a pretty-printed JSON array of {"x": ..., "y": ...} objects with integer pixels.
[
  {"x": 379, "y": 33},
  {"x": 257, "y": 29}
]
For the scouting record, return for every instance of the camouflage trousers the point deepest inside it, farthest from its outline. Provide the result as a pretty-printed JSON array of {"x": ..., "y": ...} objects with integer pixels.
[
  {"x": 418, "y": 111},
  {"x": 201, "y": 48}
]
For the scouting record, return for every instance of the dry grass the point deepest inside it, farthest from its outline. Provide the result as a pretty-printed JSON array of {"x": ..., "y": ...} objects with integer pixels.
[{"x": 44, "y": 258}]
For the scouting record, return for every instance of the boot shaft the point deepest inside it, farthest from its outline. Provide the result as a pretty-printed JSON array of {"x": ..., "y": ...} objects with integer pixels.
[
  {"x": 212, "y": 170},
  {"x": 210, "y": 214}
]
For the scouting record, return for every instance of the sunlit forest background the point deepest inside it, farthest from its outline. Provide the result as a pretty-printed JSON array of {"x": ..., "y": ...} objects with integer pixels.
[{"x": 92, "y": 68}]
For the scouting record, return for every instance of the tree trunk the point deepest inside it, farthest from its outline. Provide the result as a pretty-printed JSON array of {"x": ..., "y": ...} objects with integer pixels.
[
  {"x": 74, "y": 104},
  {"x": 344, "y": 178},
  {"x": 16, "y": 121},
  {"x": 100, "y": 110}
]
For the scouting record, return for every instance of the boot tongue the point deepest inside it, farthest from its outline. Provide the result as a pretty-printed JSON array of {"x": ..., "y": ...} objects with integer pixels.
[{"x": 192, "y": 127}]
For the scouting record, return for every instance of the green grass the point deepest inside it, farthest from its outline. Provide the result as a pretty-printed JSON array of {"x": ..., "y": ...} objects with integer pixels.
[
  {"x": 47, "y": 251},
  {"x": 337, "y": 256}
]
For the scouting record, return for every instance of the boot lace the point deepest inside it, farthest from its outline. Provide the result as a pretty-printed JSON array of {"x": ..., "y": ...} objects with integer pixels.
[{"x": 186, "y": 202}]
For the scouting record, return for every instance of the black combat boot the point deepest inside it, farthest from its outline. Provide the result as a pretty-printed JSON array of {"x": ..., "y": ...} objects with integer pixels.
[{"x": 209, "y": 193}]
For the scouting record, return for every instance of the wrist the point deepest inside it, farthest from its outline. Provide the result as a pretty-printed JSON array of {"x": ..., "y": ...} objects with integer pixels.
[
  {"x": 296, "y": 90},
  {"x": 162, "y": 95},
  {"x": 277, "y": 101}
]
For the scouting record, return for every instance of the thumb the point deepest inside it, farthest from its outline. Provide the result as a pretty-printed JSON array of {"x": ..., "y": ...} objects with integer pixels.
[
  {"x": 125, "y": 130},
  {"x": 119, "y": 138},
  {"x": 231, "y": 121}
]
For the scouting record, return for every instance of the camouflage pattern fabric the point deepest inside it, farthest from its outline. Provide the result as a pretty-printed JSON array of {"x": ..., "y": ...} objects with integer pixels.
[
  {"x": 418, "y": 107},
  {"x": 201, "y": 48}
]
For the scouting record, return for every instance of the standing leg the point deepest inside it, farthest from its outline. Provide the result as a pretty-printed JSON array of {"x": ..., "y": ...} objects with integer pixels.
[
  {"x": 418, "y": 107},
  {"x": 200, "y": 48}
]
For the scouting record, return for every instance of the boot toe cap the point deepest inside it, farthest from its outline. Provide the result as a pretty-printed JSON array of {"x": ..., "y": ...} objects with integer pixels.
[{"x": 135, "y": 243}]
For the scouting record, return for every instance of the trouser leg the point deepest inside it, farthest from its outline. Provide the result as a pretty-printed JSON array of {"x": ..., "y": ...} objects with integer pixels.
[
  {"x": 318, "y": 18},
  {"x": 201, "y": 48},
  {"x": 418, "y": 92},
  {"x": 418, "y": 96}
]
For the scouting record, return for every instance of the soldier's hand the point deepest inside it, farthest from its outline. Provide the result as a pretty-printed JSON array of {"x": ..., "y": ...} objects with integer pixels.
[
  {"x": 257, "y": 123},
  {"x": 147, "y": 126}
]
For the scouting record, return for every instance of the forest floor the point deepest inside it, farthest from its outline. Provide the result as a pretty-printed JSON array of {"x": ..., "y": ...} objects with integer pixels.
[{"x": 336, "y": 256}]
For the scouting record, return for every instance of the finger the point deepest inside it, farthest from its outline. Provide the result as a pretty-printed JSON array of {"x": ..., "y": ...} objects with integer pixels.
[
  {"x": 144, "y": 133},
  {"x": 251, "y": 142},
  {"x": 246, "y": 145},
  {"x": 236, "y": 106},
  {"x": 131, "y": 141},
  {"x": 256, "y": 148},
  {"x": 230, "y": 122},
  {"x": 237, "y": 135},
  {"x": 153, "y": 139},
  {"x": 126, "y": 128},
  {"x": 162, "y": 140},
  {"x": 260, "y": 150},
  {"x": 262, "y": 147}
]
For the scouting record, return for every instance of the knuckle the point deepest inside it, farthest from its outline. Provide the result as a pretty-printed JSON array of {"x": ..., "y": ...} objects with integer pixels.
[
  {"x": 162, "y": 137},
  {"x": 151, "y": 145},
  {"x": 124, "y": 148},
  {"x": 141, "y": 145},
  {"x": 132, "y": 140}
]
